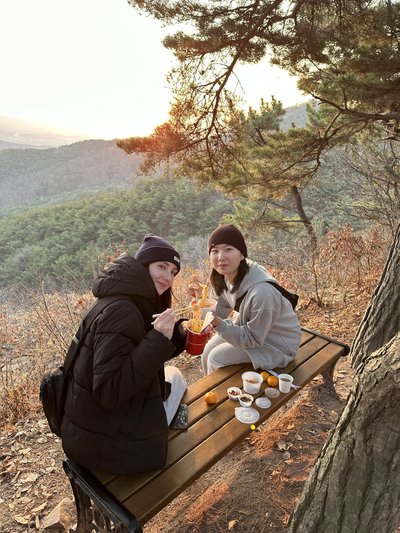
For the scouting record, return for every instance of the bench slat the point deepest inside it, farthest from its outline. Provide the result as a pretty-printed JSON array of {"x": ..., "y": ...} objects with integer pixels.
[{"x": 207, "y": 383}]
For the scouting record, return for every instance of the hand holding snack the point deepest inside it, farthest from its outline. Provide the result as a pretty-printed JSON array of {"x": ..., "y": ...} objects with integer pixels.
[
  {"x": 210, "y": 331},
  {"x": 194, "y": 286}
]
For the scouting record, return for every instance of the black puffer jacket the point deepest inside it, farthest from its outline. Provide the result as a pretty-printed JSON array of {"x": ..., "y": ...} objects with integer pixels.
[{"x": 114, "y": 417}]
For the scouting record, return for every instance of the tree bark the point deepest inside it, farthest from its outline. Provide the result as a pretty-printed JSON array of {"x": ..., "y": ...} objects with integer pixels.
[
  {"x": 382, "y": 317},
  {"x": 312, "y": 238},
  {"x": 354, "y": 486},
  {"x": 305, "y": 220}
]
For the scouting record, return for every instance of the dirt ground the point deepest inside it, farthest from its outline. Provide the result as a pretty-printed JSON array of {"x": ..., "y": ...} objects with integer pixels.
[{"x": 253, "y": 489}]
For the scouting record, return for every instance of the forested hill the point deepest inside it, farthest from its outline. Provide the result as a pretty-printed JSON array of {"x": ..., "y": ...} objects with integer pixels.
[
  {"x": 67, "y": 243},
  {"x": 32, "y": 178}
]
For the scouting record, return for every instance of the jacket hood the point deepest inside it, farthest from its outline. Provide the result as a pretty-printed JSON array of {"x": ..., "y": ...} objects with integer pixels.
[
  {"x": 256, "y": 274},
  {"x": 125, "y": 276}
]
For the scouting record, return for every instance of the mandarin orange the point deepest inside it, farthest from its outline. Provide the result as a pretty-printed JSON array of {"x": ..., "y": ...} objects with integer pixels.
[
  {"x": 210, "y": 397},
  {"x": 272, "y": 381}
]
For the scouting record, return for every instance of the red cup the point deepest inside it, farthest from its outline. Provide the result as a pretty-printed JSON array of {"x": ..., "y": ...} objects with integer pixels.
[{"x": 195, "y": 342}]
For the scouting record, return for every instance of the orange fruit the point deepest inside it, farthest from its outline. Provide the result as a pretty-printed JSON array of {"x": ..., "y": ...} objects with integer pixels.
[
  {"x": 265, "y": 375},
  {"x": 272, "y": 381},
  {"x": 210, "y": 397}
]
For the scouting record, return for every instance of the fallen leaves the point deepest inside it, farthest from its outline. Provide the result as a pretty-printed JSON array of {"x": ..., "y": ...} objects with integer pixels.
[
  {"x": 31, "y": 517},
  {"x": 281, "y": 445},
  {"x": 22, "y": 520},
  {"x": 30, "y": 477},
  {"x": 28, "y": 457}
]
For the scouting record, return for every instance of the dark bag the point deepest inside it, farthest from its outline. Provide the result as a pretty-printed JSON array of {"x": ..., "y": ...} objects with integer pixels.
[
  {"x": 53, "y": 385},
  {"x": 291, "y": 296}
]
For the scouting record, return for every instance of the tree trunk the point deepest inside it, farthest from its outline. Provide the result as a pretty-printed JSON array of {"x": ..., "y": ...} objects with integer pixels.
[
  {"x": 382, "y": 318},
  {"x": 354, "y": 486},
  {"x": 305, "y": 220},
  {"x": 312, "y": 238}
]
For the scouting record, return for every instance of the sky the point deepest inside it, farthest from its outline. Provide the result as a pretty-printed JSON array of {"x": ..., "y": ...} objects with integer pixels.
[{"x": 98, "y": 68}]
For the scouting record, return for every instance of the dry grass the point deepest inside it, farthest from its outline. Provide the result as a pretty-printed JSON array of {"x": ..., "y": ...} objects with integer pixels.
[{"x": 33, "y": 338}]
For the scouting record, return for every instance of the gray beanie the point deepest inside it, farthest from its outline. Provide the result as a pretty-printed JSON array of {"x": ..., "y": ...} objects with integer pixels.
[{"x": 154, "y": 248}]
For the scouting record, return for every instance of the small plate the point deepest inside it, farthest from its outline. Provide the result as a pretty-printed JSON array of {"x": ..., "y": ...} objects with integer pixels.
[
  {"x": 263, "y": 402},
  {"x": 247, "y": 415},
  {"x": 271, "y": 392}
]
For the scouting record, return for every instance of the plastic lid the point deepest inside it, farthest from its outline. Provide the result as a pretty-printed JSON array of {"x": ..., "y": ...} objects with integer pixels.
[
  {"x": 263, "y": 402},
  {"x": 247, "y": 415},
  {"x": 271, "y": 392}
]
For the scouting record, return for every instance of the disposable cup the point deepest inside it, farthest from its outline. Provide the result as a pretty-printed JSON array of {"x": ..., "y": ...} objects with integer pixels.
[
  {"x": 195, "y": 342},
  {"x": 246, "y": 400},
  {"x": 252, "y": 382},
  {"x": 285, "y": 382}
]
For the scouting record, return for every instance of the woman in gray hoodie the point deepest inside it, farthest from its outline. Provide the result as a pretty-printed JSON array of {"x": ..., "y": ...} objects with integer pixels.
[{"x": 266, "y": 331}]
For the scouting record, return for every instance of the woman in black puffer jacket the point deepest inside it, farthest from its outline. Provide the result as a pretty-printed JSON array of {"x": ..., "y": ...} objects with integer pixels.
[{"x": 120, "y": 398}]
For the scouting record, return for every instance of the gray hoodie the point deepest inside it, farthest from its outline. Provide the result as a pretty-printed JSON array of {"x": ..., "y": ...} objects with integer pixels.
[{"x": 266, "y": 327}]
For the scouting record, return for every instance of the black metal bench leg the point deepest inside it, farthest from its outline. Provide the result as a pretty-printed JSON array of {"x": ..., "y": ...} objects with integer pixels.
[
  {"x": 83, "y": 508},
  {"x": 97, "y": 509}
]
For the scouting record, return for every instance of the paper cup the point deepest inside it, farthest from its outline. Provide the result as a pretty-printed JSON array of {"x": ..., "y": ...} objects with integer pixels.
[
  {"x": 195, "y": 342},
  {"x": 285, "y": 381},
  {"x": 252, "y": 382}
]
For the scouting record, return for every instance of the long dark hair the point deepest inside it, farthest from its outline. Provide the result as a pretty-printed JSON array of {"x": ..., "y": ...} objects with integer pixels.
[{"x": 218, "y": 280}]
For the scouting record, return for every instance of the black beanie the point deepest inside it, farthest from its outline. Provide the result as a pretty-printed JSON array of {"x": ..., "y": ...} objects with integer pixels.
[
  {"x": 228, "y": 234},
  {"x": 154, "y": 248}
]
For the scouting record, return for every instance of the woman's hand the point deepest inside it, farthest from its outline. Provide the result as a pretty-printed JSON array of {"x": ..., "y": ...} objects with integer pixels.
[
  {"x": 165, "y": 323},
  {"x": 210, "y": 331},
  {"x": 216, "y": 321},
  {"x": 195, "y": 287},
  {"x": 183, "y": 325}
]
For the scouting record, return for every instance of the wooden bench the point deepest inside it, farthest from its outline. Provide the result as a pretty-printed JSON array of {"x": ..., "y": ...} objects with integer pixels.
[{"x": 122, "y": 503}]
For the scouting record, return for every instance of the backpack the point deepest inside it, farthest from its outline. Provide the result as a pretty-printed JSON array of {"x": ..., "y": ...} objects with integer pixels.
[
  {"x": 291, "y": 296},
  {"x": 53, "y": 386}
]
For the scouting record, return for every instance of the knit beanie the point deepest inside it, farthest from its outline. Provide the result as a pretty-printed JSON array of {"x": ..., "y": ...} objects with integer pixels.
[
  {"x": 227, "y": 234},
  {"x": 154, "y": 248}
]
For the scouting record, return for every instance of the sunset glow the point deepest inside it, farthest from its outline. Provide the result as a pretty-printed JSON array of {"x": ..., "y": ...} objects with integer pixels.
[{"x": 98, "y": 68}]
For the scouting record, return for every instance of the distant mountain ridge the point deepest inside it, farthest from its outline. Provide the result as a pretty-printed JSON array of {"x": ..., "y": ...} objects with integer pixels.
[
  {"x": 18, "y": 133},
  {"x": 296, "y": 115},
  {"x": 5, "y": 145}
]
